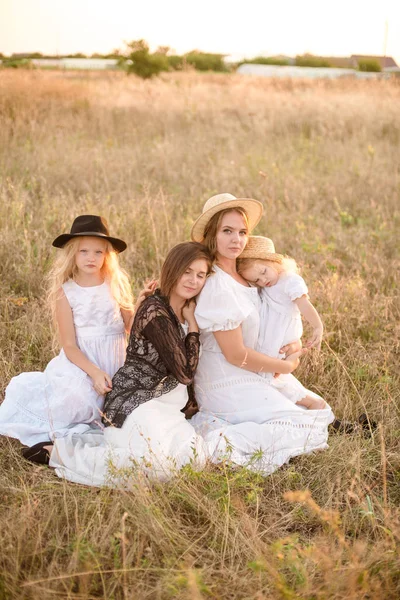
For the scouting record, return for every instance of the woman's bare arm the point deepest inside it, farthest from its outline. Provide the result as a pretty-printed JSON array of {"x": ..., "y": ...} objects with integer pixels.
[{"x": 236, "y": 353}]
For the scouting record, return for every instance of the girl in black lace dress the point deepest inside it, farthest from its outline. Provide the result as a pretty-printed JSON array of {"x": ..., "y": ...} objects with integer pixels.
[
  {"x": 145, "y": 425},
  {"x": 160, "y": 354}
]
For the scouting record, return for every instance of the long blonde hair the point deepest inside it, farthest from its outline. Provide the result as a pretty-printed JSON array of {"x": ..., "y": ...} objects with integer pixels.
[{"x": 64, "y": 269}]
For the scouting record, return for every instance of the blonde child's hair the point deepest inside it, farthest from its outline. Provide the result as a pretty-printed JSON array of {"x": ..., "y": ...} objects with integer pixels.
[
  {"x": 64, "y": 269},
  {"x": 280, "y": 262}
]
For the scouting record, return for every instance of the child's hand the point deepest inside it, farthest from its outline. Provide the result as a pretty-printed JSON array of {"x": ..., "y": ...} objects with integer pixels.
[
  {"x": 294, "y": 358},
  {"x": 316, "y": 338},
  {"x": 101, "y": 382},
  {"x": 148, "y": 289},
  {"x": 291, "y": 348}
]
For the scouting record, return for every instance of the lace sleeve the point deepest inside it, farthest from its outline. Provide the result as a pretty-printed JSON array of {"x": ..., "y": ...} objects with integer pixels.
[
  {"x": 180, "y": 355},
  {"x": 191, "y": 407}
]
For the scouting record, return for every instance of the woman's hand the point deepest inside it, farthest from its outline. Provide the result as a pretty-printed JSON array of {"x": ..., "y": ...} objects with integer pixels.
[
  {"x": 148, "y": 289},
  {"x": 316, "y": 338},
  {"x": 101, "y": 382},
  {"x": 188, "y": 311},
  {"x": 291, "y": 348}
]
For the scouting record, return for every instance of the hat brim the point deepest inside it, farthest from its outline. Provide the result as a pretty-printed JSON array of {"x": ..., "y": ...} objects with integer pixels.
[
  {"x": 253, "y": 208},
  {"x": 61, "y": 240},
  {"x": 258, "y": 254}
]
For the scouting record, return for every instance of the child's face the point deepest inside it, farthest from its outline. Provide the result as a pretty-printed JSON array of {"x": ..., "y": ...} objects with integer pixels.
[
  {"x": 90, "y": 255},
  {"x": 261, "y": 274}
]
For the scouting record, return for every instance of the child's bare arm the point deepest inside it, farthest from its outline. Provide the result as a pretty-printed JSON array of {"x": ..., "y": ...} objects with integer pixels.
[
  {"x": 311, "y": 315},
  {"x": 101, "y": 380},
  {"x": 127, "y": 317}
]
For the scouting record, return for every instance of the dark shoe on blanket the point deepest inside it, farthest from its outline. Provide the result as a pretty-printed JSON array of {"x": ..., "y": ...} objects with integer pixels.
[{"x": 38, "y": 453}]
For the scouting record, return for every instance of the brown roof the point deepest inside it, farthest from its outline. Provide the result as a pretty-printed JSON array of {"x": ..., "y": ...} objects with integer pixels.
[
  {"x": 339, "y": 61},
  {"x": 383, "y": 61}
]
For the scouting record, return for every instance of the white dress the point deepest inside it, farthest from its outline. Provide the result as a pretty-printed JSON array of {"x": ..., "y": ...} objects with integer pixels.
[
  {"x": 280, "y": 324},
  {"x": 155, "y": 440},
  {"x": 41, "y": 406},
  {"x": 241, "y": 415}
]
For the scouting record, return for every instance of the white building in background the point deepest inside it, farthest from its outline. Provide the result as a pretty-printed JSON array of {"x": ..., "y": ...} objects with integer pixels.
[
  {"x": 96, "y": 64},
  {"x": 305, "y": 72}
]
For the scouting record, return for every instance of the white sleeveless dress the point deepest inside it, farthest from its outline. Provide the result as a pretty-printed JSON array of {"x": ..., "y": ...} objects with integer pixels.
[
  {"x": 280, "y": 324},
  {"x": 42, "y": 406},
  {"x": 241, "y": 415}
]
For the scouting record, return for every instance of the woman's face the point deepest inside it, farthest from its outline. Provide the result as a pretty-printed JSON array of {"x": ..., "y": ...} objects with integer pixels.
[
  {"x": 192, "y": 281},
  {"x": 232, "y": 236}
]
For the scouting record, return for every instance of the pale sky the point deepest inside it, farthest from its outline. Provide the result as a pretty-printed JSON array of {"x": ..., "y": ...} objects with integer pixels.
[{"x": 336, "y": 28}]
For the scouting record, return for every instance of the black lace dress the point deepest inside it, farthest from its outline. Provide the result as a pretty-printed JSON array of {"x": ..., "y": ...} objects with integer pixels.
[{"x": 158, "y": 357}]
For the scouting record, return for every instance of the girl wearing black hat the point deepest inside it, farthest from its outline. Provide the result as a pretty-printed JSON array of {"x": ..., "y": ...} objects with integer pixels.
[{"x": 91, "y": 302}]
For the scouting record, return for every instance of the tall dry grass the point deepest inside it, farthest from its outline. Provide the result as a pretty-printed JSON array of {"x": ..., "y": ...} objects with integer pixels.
[{"x": 324, "y": 159}]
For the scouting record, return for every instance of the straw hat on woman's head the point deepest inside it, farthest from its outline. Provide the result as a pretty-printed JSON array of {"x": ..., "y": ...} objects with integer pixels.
[
  {"x": 259, "y": 247},
  {"x": 215, "y": 204}
]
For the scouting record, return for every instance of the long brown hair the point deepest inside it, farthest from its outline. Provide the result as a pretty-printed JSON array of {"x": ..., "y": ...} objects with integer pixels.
[
  {"x": 211, "y": 229},
  {"x": 178, "y": 260}
]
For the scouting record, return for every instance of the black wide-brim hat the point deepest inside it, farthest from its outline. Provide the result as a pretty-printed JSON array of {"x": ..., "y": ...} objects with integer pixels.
[{"x": 90, "y": 226}]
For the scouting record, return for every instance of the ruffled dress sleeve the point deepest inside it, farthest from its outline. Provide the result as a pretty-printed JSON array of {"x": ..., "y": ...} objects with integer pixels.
[
  {"x": 221, "y": 306},
  {"x": 295, "y": 287}
]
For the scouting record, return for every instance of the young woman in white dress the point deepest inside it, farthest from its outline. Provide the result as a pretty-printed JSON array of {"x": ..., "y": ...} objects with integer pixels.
[
  {"x": 260, "y": 427},
  {"x": 91, "y": 302},
  {"x": 284, "y": 300},
  {"x": 145, "y": 426}
]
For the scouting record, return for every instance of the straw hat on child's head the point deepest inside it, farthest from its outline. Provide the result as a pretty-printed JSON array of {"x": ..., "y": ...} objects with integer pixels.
[
  {"x": 258, "y": 247},
  {"x": 215, "y": 204}
]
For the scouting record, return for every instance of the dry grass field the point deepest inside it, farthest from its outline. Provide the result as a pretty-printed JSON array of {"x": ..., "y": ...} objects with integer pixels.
[{"x": 324, "y": 157}]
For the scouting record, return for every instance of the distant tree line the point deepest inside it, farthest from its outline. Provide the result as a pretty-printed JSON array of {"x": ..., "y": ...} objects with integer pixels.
[
  {"x": 310, "y": 60},
  {"x": 136, "y": 58}
]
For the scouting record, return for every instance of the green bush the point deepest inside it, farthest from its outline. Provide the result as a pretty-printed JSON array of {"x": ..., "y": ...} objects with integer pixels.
[
  {"x": 369, "y": 65},
  {"x": 203, "y": 61},
  {"x": 176, "y": 62},
  {"x": 265, "y": 60},
  {"x": 309, "y": 60},
  {"x": 138, "y": 59},
  {"x": 142, "y": 63},
  {"x": 17, "y": 63}
]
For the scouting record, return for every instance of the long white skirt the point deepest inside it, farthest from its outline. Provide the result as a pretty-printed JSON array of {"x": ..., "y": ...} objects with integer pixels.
[
  {"x": 253, "y": 423},
  {"x": 155, "y": 439},
  {"x": 42, "y": 406}
]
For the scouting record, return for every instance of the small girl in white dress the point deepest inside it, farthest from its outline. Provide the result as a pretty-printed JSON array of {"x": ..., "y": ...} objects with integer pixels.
[
  {"x": 285, "y": 299},
  {"x": 91, "y": 301}
]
